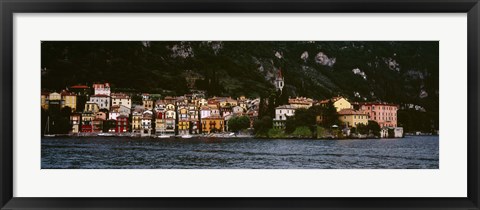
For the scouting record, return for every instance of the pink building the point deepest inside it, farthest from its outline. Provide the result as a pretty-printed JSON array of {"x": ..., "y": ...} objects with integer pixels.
[{"x": 384, "y": 114}]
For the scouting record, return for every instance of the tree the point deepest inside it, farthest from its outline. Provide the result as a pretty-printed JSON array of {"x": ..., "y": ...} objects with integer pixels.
[
  {"x": 261, "y": 126},
  {"x": 373, "y": 128},
  {"x": 236, "y": 124},
  {"x": 330, "y": 115},
  {"x": 362, "y": 129},
  {"x": 302, "y": 132}
]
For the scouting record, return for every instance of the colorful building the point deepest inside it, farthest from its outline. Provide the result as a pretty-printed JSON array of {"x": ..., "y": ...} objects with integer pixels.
[
  {"x": 101, "y": 89},
  {"x": 214, "y": 123},
  {"x": 87, "y": 122},
  {"x": 103, "y": 101},
  {"x": 69, "y": 99},
  {"x": 352, "y": 118},
  {"x": 97, "y": 125},
  {"x": 300, "y": 102},
  {"x": 91, "y": 107},
  {"x": 338, "y": 102},
  {"x": 121, "y": 99},
  {"x": 383, "y": 113},
  {"x": 122, "y": 124},
  {"x": 136, "y": 122},
  {"x": 75, "y": 120}
]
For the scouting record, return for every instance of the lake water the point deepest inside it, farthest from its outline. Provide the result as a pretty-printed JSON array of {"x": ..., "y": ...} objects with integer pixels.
[{"x": 145, "y": 153}]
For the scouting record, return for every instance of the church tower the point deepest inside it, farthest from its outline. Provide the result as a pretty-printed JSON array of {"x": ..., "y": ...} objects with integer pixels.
[{"x": 279, "y": 83}]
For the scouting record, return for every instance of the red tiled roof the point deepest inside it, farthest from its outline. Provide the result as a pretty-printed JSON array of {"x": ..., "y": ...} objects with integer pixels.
[
  {"x": 79, "y": 87},
  {"x": 351, "y": 112},
  {"x": 377, "y": 103},
  {"x": 100, "y": 95}
]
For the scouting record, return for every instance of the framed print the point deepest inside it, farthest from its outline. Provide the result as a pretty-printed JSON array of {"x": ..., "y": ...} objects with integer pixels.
[{"x": 239, "y": 105}]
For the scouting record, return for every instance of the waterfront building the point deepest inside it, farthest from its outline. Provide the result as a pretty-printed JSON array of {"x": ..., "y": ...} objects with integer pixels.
[
  {"x": 281, "y": 114},
  {"x": 121, "y": 99},
  {"x": 75, "y": 120},
  {"x": 193, "y": 118},
  {"x": 87, "y": 119},
  {"x": 212, "y": 124},
  {"x": 160, "y": 122},
  {"x": 170, "y": 116},
  {"x": 103, "y": 101},
  {"x": 97, "y": 125},
  {"x": 121, "y": 124},
  {"x": 352, "y": 118},
  {"x": 101, "y": 89},
  {"x": 44, "y": 100},
  {"x": 183, "y": 120},
  {"x": 384, "y": 114},
  {"x": 55, "y": 101},
  {"x": 338, "y": 102},
  {"x": 137, "y": 119},
  {"x": 147, "y": 127},
  {"x": 391, "y": 132}
]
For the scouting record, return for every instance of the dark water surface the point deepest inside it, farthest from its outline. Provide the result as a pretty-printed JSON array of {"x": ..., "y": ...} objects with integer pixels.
[{"x": 145, "y": 153}]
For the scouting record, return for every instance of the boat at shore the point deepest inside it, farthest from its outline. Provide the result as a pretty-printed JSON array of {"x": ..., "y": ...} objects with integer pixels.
[
  {"x": 162, "y": 137},
  {"x": 47, "y": 133},
  {"x": 105, "y": 134},
  {"x": 188, "y": 136}
]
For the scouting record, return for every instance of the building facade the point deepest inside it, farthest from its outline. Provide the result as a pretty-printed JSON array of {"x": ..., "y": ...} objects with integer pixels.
[
  {"x": 383, "y": 113},
  {"x": 352, "y": 118}
]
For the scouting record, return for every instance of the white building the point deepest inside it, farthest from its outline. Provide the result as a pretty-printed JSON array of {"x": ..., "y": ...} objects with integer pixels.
[
  {"x": 103, "y": 101},
  {"x": 101, "y": 89},
  {"x": 205, "y": 112},
  {"x": 121, "y": 99},
  {"x": 281, "y": 114},
  {"x": 113, "y": 115}
]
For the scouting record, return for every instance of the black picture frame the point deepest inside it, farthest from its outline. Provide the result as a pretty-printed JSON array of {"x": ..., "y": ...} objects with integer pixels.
[{"x": 10, "y": 7}]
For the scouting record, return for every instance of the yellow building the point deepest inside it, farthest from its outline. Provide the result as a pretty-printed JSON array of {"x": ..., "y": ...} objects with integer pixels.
[
  {"x": 338, "y": 102},
  {"x": 54, "y": 96},
  {"x": 183, "y": 127},
  {"x": 352, "y": 118},
  {"x": 121, "y": 99},
  {"x": 87, "y": 118},
  {"x": 44, "y": 100},
  {"x": 136, "y": 122},
  {"x": 213, "y": 123},
  {"x": 91, "y": 107},
  {"x": 148, "y": 104},
  {"x": 70, "y": 100}
]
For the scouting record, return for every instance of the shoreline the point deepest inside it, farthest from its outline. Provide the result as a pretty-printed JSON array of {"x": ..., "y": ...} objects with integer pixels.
[{"x": 220, "y": 136}]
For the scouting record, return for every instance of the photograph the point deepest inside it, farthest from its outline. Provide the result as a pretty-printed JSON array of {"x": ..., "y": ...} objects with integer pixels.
[{"x": 239, "y": 104}]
